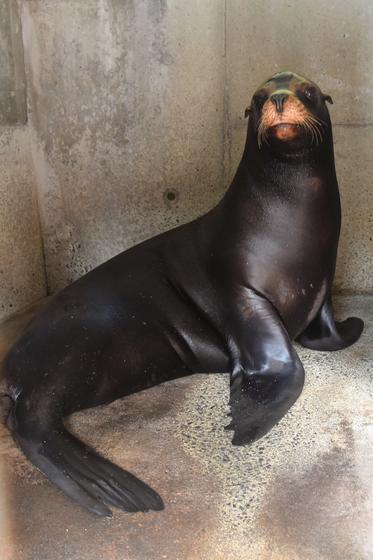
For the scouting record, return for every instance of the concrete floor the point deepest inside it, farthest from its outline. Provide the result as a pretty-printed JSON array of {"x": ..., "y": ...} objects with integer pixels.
[{"x": 304, "y": 492}]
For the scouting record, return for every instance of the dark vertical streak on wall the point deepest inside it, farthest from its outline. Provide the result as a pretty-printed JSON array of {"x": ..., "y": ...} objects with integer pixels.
[
  {"x": 226, "y": 162},
  {"x": 12, "y": 75}
]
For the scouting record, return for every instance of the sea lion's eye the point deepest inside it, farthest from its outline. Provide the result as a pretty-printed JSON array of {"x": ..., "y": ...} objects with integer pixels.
[
  {"x": 260, "y": 98},
  {"x": 309, "y": 92}
]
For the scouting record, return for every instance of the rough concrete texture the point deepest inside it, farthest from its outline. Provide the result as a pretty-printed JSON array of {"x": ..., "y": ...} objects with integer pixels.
[
  {"x": 22, "y": 274},
  {"x": 353, "y": 150},
  {"x": 328, "y": 42},
  {"x": 126, "y": 113},
  {"x": 21, "y": 262},
  {"x": 304, "y": 492},
  {"x": 12, "y": 75}
]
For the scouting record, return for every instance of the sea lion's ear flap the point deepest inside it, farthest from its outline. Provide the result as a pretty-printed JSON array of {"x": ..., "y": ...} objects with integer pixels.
[
  {"x": 328, "y": 99},
  {"x": 247, "y": 112}
]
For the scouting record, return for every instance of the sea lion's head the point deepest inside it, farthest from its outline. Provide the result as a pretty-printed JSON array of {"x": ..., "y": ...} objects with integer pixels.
[{"x": 288, "y": 111}]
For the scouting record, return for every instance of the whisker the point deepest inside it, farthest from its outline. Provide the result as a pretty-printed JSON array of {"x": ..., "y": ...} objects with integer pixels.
[
  {"x": 317, "y": 134},
  {"x": 317, "y": 119},
  {"x": 313, "y": 131},
  {"x": 318, "y": 123},
  {"x": 306, "y": 125},
  {"x": 316, "y": 126},
  {"x": 318, "y": 131}
]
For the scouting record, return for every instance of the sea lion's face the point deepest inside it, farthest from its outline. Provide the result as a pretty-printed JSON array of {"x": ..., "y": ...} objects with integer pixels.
[{"x": 290, "y": 110}]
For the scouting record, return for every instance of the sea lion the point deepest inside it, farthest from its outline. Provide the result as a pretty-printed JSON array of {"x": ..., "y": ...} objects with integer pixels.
[{"x": 226, "y": 292}]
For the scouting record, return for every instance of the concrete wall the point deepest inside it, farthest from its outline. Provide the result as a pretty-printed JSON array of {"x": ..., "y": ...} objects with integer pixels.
[
  {"x": 22, "y": 275},
  {"x": 330, "y": 42},
  {"x": 22, "y": 278},
  {"x": 135, "y": 122},
  {"x": 126, "y": 109}
]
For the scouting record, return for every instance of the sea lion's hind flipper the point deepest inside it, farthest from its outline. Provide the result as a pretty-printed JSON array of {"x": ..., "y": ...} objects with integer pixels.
[
  {"x": 85, "y": 476},
  {"x": 326, "y": 334}
]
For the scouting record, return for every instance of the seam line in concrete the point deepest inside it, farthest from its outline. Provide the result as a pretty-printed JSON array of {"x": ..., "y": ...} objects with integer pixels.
[
  {"x": 227, "y": 138},
  {"x": 354, "y": 125}
]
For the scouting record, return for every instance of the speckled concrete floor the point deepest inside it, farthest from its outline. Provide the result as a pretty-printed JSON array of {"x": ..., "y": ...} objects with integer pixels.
[{"x": 304, "y": 492}]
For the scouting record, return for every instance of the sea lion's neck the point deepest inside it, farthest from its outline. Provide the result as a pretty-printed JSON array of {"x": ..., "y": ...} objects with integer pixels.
[
  {"x": 275, "y": 197},
  {"x": 265, "y": 172}
]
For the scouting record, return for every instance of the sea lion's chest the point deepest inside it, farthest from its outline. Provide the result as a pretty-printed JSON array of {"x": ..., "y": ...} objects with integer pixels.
[{"x": 294, "y": 271}]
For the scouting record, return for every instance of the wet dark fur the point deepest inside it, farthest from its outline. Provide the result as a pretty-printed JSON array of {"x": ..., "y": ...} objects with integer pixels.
[{"x": 226, "y": 292}]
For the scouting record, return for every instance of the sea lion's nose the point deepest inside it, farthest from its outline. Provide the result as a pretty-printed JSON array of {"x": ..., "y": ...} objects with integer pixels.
[{"x": 278, "y": 100}]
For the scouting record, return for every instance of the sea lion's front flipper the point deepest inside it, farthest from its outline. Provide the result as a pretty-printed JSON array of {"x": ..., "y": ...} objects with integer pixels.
[
  {"x": 267, "y": 375},
  {"x": 324, "y": 333},
  {"x": 80, "y": 472}
]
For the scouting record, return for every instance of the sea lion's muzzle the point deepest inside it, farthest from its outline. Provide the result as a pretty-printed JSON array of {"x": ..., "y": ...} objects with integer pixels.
[{"x": 285, "y": 117}]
